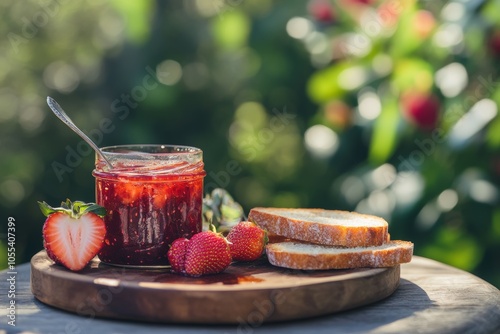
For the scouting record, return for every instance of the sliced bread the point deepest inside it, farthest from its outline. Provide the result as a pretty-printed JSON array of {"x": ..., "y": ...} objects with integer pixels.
[
  {"x": 324, "y": 227},
  {"x": 317, "y": 257}
]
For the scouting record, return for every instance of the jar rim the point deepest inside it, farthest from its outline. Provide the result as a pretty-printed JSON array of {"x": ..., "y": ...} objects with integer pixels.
[
  {"x": 160, "y": 149},
  {"x": 151, "y": 159}
]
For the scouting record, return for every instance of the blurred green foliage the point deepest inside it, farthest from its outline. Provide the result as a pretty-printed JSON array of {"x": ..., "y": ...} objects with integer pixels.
[{"x": 384, "y": 107}]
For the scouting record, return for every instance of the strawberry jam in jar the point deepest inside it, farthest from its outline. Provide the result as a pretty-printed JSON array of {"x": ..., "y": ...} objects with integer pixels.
[{"x": 153, "y": 195}]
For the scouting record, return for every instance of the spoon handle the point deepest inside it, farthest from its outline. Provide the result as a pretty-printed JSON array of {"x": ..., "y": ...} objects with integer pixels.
[{"x": 59, "y": 112}]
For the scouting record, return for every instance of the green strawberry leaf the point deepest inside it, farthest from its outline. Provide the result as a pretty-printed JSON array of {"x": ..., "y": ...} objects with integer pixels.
[
  {"x": 74, "y": 209},
  {"x": 231, "y": 213},
  {"x": 66, "y": 205},
  {"x": 97, "y": 209},
  {"x": 46, "y": 209},
  {"x": 221, "y": 210}
]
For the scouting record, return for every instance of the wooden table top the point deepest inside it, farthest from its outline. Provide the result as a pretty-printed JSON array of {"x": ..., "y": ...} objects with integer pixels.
[{"x": 432, "y": 298}]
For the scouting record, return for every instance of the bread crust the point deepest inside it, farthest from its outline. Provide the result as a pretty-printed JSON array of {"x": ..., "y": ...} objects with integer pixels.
[
  {"x": 284, "y": 255},
  {"x": 320, "y": 233}
]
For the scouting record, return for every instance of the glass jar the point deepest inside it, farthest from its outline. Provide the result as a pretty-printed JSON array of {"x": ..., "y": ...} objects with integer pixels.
[{"x": 153, "y": 195}]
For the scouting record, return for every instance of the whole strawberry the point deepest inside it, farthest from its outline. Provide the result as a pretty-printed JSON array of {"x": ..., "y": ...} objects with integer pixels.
[
  {"x": 207, "y": 252},
  {"x": 73, "y": 234},
  {"x": 177, "y": 255},
  {"x": 247, "y": 241}
]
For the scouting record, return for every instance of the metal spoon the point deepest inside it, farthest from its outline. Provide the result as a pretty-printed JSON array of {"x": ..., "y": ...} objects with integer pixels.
[{"x": 59, "y": 112}]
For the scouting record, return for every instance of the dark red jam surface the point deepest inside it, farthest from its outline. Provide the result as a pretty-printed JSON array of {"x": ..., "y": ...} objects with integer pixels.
[{"x": 146, "y": 213}]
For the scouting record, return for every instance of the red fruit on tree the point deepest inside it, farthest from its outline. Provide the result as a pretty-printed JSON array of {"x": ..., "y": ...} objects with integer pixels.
[
  {"x": 421, "y": 109},
  {"x": 494, "y": 43},
  {"x": 322, "y": 10},
  {"x": 496, "y": 166},
  {"x": 177, "y": 255},
  {"x": 424, "y": 23},
  {"x": 359, "y": 2},
  {"x": 73, "y": 234},
  {"x": 247, "y": 241},
  {"x": 207, "y": 252},
  {"x": 338, "y": 114},
  {"x": 388, "y": 14}
]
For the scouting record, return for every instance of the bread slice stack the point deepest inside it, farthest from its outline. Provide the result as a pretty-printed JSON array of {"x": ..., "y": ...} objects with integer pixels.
[{"x": 317, "y": 239}]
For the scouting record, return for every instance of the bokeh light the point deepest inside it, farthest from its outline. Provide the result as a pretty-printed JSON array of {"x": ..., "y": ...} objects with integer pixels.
[
  {"x": 299, "y": 27},
  {"x": 321, "y": 141}
]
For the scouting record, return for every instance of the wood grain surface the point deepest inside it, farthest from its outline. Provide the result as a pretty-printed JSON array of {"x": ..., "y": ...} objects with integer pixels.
[{"x": 245, "y": 290}]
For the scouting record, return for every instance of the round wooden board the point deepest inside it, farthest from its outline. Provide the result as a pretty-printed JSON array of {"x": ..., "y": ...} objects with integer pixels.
[{"x": 253, "y": 292}]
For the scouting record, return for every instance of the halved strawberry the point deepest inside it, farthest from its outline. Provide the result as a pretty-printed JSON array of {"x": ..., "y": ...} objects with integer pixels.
[{"x": 74, "y": 233}]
